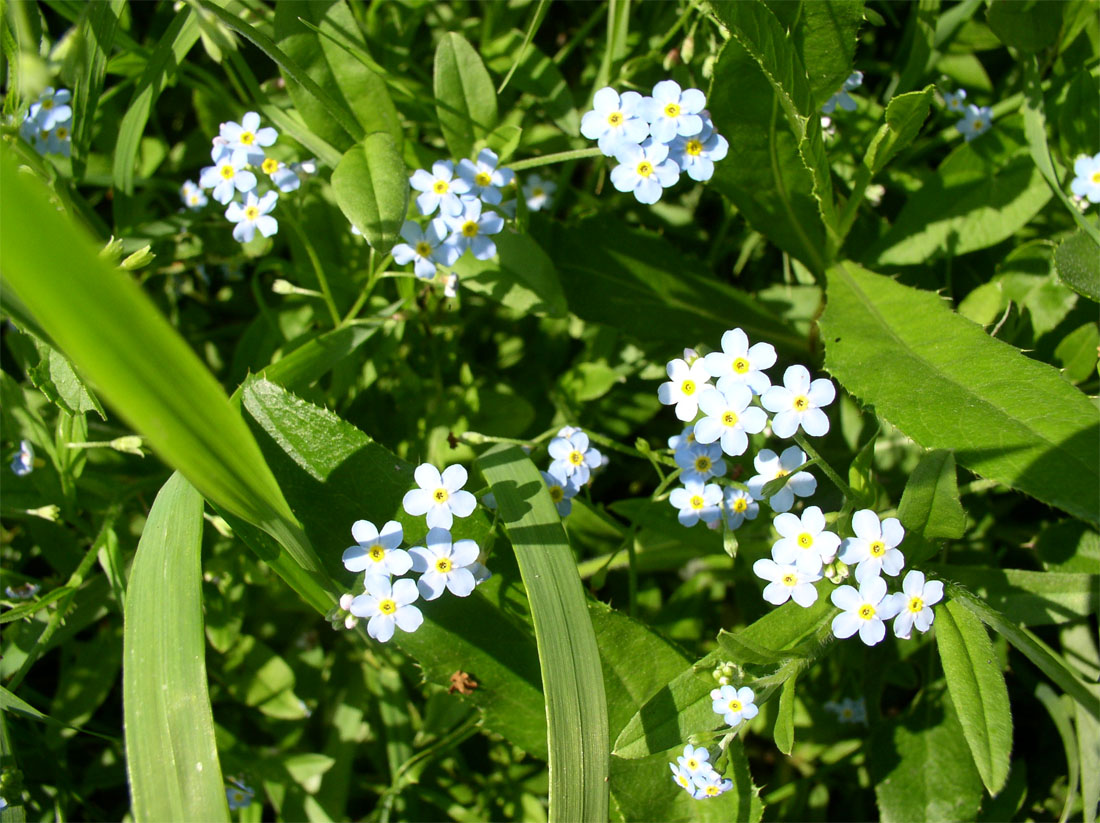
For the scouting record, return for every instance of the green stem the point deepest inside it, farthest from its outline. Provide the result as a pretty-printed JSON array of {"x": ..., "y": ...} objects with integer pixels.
[
  {"x": 845, "y": 489},
  {"x": 608, "y": 443},
  {"x": 375, "y": 274},
  {"x": 315, "y": 261},
  {"x": 559, "y": 157}
]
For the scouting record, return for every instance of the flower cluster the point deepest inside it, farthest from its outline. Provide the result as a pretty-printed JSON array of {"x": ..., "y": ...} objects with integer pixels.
[
  {"x": 842, "y": 98},
  {"x": 1086, "y": 184},
  {"x": 693, "y": 772},
  {"x": 48, "y": 125},
  {"x": 976, "y": 120},
  {"x": 442, "y": 563},
  {"x": 721, "y": 416},
  {"x": 654, "y": 138},
  {"x": 572, "y": 461},
  {"x": 237, "y": 154}
]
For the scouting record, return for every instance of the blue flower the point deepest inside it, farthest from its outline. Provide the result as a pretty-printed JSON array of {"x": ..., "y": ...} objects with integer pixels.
[
  {"x": 254, "y": 214},
  {"x": 247, "y": 139},
  {"x": 440, "y": 496},
  {"x": 645, "y": 170},
  {"x": 192, "y": 196},
  {"x": 772, "y": 466},
  {"x": 711, "y": 784},
  {"x": 696, "y": 760},
  {"x": 739, "y": 363},
  {"x": 842, "y": 98},
  {"x": 701, "y": 461},
  {"x": 734, "y": 705},
  {"x": 239, "y": 795},
  {"x": 23, "y": 462},
  {"x": 483, "y": 178},
  {"x": 226, "y": 175},
  {"x": 955, "y": 101},
  {"x": 562, "y": 492},
  {"x": 426, "y": 247},
  {"x": 283, "y": 177},
  {"x": 471, "y": 229},
  {"x": 614, "y": 120},
  {"x": 573, "y": 458},
  {"x": 697, "y": 502},
  {"x": 729, "y": 418},
  {"x": 443, "y": 564},
  {"x": 388, "y": 604},
  {"x": 1086, "y": 184},
  {"x": 976, "y": 120},
  {"x": 51, "y": 109},
  {"x": 696, "y": 155},
  {"x": 440, "y": 189},
  {"x": 538, "y": 192},
  {"x": 739, "y": 507},
  {"x": 671, "y": 112},
  {"x": 377, "y": 552}
]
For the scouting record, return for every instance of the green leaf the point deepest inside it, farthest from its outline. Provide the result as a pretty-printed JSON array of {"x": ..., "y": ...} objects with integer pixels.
[
  {"x": 1078, "y": 265},
  {"x": 171, "y": 757},
  {"x": 1060, "y": 712},
  {"x": 1027, "y": 25},
  {"x": 921, "y": 768},
  {"x": 1008, "y": 417},
  {"x": 1077, "y": 352},
  {"x": 784, "y": 720},
  {"x": 536, "y": 74},
  {"x": 371, "y": 185},
  {"x": 53, "y": 375},
  {"x": 978, "y": 691},
  {"x": 905, "y": 114},
  {"x": 930, "y": 503},
  {"x": 1032, "y": 598},
  {"x": 466, "y": 102},
  {"x": 352, "y": 85},
  {"x": 95, "y": 39},
  {"x": 168, "y": 55},
  {"x": 576, "y": 709},
  {"x": 825, "y": 36},
  {"x": 521, "y": 276}
]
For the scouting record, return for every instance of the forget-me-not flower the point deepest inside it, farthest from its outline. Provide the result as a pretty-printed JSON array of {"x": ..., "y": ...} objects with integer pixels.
[
  {"x": 842, "y": 98},
  {"x": 483, "y": 177},
  {"x": 863, "y": 611},
  {"x": 696, "y": 155},
  {"x": 439, "y": 189},
  {"x": 771, "y": 466},
  {"x": 562, "y": 492},
  {"x": 695, "y": 759},
  {"x": 239, "y": 795},
  {"x": 848, "y": 710},
  {"x": 377, "y": 552},
  {"x": 701, "y": 461},
  {"x": 804, "y": 540},
  {"x": 192, "y": 196},
  {"x": 471, "y": 229},
  {"x": 729, "y": 418},
  {"x": 51, "y": 108},
  {"x": 247, "y": 139},
  {"x": 573, "y": 457},
  {"x": 226, "y": 175},
  {"x": 739, "y": 507},
  {"x": 710, "y": 784},
  {"x": 683, "y": 778},
  {"x": 696, "y": 502},
  {"x": 738, "y": 362},
  {"x": 440, "y": 496},
  {"x": 23, "y": 462},
  {"x": 388, "y": 604},
  {"x": 283, "y": 177},
  {"x": 537, "y": 192},
  {"x": 443, "y": 564},
  {"x": 798, "y": 402},
  {"x": 426, "y": 247},
  {"x": 787, "y": 581},
  {"x": 686, "y": 384},
  {"x": 976, "y": 120},
  {"x": 672, "y": 111},
  {"x": 614, "y": 120},
  {"x": 914, "y": 604},
  {"x": 734, "y": 705},
  {"x": 1087, "y": 182},
  {"x": 955, "y": 101},
  {"x": 874, "y": 547},
  {"x": 645, "y": 170},
  {"x": 254, "y": 214}
]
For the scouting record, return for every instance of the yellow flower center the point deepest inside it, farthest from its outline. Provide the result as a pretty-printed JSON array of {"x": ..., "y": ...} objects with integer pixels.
[
  {"x": 557, "y": 494},
  {"x": 866, "y": 611},
  {"x": 61, "y": 132},
  {"x": 377, "y": 554},
  {"x": 270, "y": 165},
  {"x": 672, "y": 110},
  {"x": 469, "y": 228},
  {"x": 47, "y": 104},
  {"x": 440, "y": 187},
  {"x": 576, "y": 457},
  {"x": 696, "y": 501},
  {"x": 615, "y": 118},
  {"x": 1096, "y": 177},
  {"x": 846, "y": 713},
  {"x": 979, "y": 125},
  {"x": 916, "y": 604},
  {"x": 691, "y": 434},
  {"x": 734, "y": 705},
  {"x": 387, "y": 606},
  {"x": 692, "y": 763},
  {"x": 878, "y": 548},
  {"x": 790, "y": 579},
  {"x": 729, "y": 418},
  {"x": 251, "y": 212},
  {"x": 801, "y": 403},
  {"x": 227, "y": 172},
  {"x": 688, "y": 387},
  {"x": 645, "y": 168},
  {"x": 443, "y": 565},
  {"x": 781, "y": 472},
  {"x": 711, "y": 791},
  {"x": 805, "y": 540},
  {"x": 193, "y": 199},
  {"x": 740, "y": 505},
  {"x": 694, "y": 148},
  {"x": 702, "y": 463},
  {"x": 482, "y": 178},
  {"x": 682, "y": 780},
  {"x": 440, "y": 495},
  {"x": 423, "y": 248},
  {"x": 537, "y": 192},
  {"x": 247, "y": 138},
  {"x": 740, "y": 364}
]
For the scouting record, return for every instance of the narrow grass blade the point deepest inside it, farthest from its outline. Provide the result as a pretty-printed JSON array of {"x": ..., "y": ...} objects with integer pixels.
[
  {"x": 171, "y": 756},
  {"x": 572, "y": 680}
]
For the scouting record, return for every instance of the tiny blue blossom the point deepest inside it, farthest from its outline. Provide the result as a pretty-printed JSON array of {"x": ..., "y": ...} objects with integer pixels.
[
  {"x": 283, "y": 177},
  {"x": 696, "y": 155},
  {"x": 728, "y": 418},
  {"x": 977, "y": 120},
  {"x": 247, "y": 139},
  {"x": 471, "y": 229},
  {"x": 239, "y": 795},
  {"x": 771, "y": 467},
  {"x": 192, "y": 196},
  {"x": 439, "y": 189},
  {"x": 645, "y": 170},
  {"x": 573, "y": 458},
  {"x": 23, "y": 462},
  {"x": 848, "y": 710},
  {"x": 483, "y": 177},
  {"x": 1086, "y": 184},
  {"x": 955, "y": 101},
  {"x": 443, "y": 564},
  {"x": 440, "y": 495},
  {"x": 614, "y": 120},
  {"x": 739, "y": 507},
  {"x": 711, "y": 784},
  {"x": 377, "y": 552},
  {"x": 51, "y": 108},
  {"x": 696, "y": 502},
  {"x": 426, "y": 247},
  {"x": 842, "y": 98},
  {"x": 253, "y": 214},
  {"x": 734, "y": 705},
  {"x": 701, "y": 461},
  {"x": 538, "y": 193},
  {"x": 673, "y": 112},
  {"x": 561, "y": 491},
  {"x": 228, "y": 174},
  {"x": 388, "y": 604}
]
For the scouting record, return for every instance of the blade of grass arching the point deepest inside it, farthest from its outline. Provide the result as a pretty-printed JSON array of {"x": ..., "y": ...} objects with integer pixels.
[
  {"x": 13, "y": 812},
  {"x": 97, "y": 37},
  {"x": 536, "y": 21},
  {"x": 144, "y": 369},
  {"x": 572, "y": 678},
  {"x": 171, "y": 756},
  {"x": 182, "y": 33},
  {"x": 618, "y": 26}
]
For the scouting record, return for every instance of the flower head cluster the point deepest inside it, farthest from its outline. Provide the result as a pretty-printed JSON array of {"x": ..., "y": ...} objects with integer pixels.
[
  {"x": 654, "y": 138},
  {"x": 693, "y": 773},
  {"x": 244, "y": 178},
  {"x": 1086, "y": 184},
  {"x": 976, "y": 120},
  {"x": 444, "y": 564},
  {"x": 572, "y": 461},
  {"x": 842, "y": 98},
  {"x": 48, "y": 124}
]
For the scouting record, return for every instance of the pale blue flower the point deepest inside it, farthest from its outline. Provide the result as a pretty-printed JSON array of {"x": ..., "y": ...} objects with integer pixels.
[
  {"x": 804, "y": 540},
  {"x": 57, "y": 141},
  {"x": 874, "y": 549},
  {"x": 682, "y": 777},
  {"x": 696, "y": 502},
  {"x": 697, "y": 154},
  {"x": 729, "y": 418},
  {"x": 696, "y": 760},
  {"x": 772, "y": 466},
  {"x": 377, "y": 552},
  {"x": 671, "y": 111},
  {"x": 955, "y": 101},
  {"x": 387, "y": 605},
  {"x": 247, "y": 139},
  {"x": 562, "y": 492},
  {"x": 192, "y": 196},
  {"x": 787, "y": 581},
  {"x": 440, "y": 496},
  {"x": 914, "y": 604},
  {"x": 1087, "y": 182},
  {"x": 483, "y": 177},
  {"x": 849, "y": 710},
  {"x": 863, "y": 611},
  {"x": 700, "y": 461},
  {"x": 23, "y": 462},
  {"x": 22, "y": 592},
  {"x": 798, "y": 402},
  {"x": 283, "y": 177},
  {"x": 976, "y": 120},
  {"x": 228, "y": 174},
  {"x": 614, "y": 120},
  {"x": 443, "y": 564},
  {"x": 645, "y": 170},
  {"x": 734, "y": 705},
  {"x": 683, "y": 440},
  {"x": 573, "y": 458},
  {"x": 842, "y": 98},
  {"x": 538, "y": 192},
  {"x": 253, "y": 214},
  {"x": 239, "y": 795},
  {"x": 710, "y": 784},
  {"x": 738, "y": 362},
  {"x": 471, "y": 229},
  {"x": 440, "y": 189},
  {"x": 51, "y": 109},
  {"x": 739, "y": 507},
  {"x": 426, "y": 247}
]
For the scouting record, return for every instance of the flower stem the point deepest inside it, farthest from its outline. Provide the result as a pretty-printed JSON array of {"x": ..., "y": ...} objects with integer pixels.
[
  {"x": 559, "y": 157},
  {"x": 845, "y": 489},
  {"x": 318, "y": 270}
]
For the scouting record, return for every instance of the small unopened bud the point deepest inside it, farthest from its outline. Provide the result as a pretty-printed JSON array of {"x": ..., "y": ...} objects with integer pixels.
[
  {"x": 723, "y": 681},
  {"x": 351, "y": 621},
  {"x": 112, "y": 251},
  {"x": 690, "y": 356},
  {"x": 130, "y": 444},
  {"x": 874, "y": 193},
  {"x": 687, "y": 49},
  {"x": 836, "y": 572},
  {"x": 345, "y": 601},
  {"x": 50, "y": 512},
  {"x": 450, "y": 286},
  {"x": 281, "y": 286},
  {"x": 139, "y": 259}
]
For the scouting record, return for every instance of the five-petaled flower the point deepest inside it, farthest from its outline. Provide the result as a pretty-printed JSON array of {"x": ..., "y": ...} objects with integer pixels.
[
  {"x": 226, "y": 175},
  {"x": 192, "y": 196},
  {"x": 1087, "y": 182},
  {"x": 798, "y": 402},
  {"x": 483, "y": 177},
  {"x": 388, "y": 604},
  {"x": 740, "y": 363},
  {"x": 644, "y": 169},
  {"x": 440, "y": 496},
  {"x": 976, "y": 120},
  {"x": 538, "y": 192},
  {"x": 696, "y": 155},
  {"x": 804, "y": 540},
  {"x": 914, "y": 604},
  {"x": 874, "y": 547},
  {"x": 771, "y": 467},
  {"x": 696, "y": 502},
  {"x": 470, "y": 229},
  {"x": 729, "y": 418},
  {"x": 673, "y": 112},
  {"x": 787, "y": 581},
  {"x": 863, "y": 611},
  {"x": 955, "y": 101},
  {"x": 685, "y": 385},
  {"x": 562, "y": 492},
  {"x": 734, "y": 705},
  {"x": 695, "y": 759},
  {"x": 739, "y": 507},
  {"x": 377, "y": 552},
  {"x": 246, "y": 139},
  {"x": 701, "y": 461},
  {"x": 710, "y": 784},
  {"x": 439, "y": 189},
  {"x": 252, "y": 215},
  {"x": 573, "y": 458},
  {"x": 444, "y": 564},
  {"x": 425, "y": 247},
  {"x": 614, "y": 120}
]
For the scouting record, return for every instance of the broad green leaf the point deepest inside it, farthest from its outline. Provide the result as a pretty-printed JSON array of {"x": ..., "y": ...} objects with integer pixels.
[
  {"x": 784, "y": 720},
  {"x": 1088, "y": 744},
  {"x": 171, "y": 757},
  {"x": 521, "y": 276},
  {"x": 921, "y": 768},
  {"x": 1027, "y": 25},
  {"x": 905, "y": 114},
  {"x": 825, "y": 36},
  {"x": 576, "y": 708},
  {"x": 1078, "y": 121},
  {"x": 1032, "y": 598},
  {"x": 537, "y": 75},
  {"x": 641, "y": 284},
  {"x": 95, "y": 39},
  {"x": 1078, "y": 265},
  {"x": 53, "y": 375},
  {"x": 352, "y": 85},
  {"x": 142, "y": 367},
  {"x": 1006, "y": 416},
  {"x": 168, "y": 55},
  {"x": 1077, "y": 353},
  {"x": 371, "y": 186},
  {"x": 1068, "y": 546},
  {"x": 930, "y": 503},
  {"x": 978, "y": 691},
  {"x": 466, "y": 102}
]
